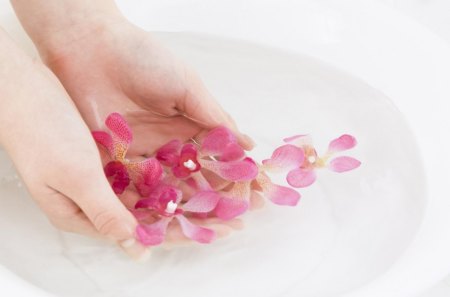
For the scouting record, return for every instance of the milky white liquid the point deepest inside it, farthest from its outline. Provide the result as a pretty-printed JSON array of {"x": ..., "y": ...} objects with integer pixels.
[{"x": 348, "y": 228}]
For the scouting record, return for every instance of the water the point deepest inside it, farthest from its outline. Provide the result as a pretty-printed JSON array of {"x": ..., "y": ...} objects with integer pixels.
[{"x": 347, "y": 229}]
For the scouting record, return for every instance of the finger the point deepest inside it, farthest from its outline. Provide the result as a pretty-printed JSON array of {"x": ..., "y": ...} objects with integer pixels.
[
  {"x": 201, "y": 107},
  {"x": 90, "y": 190},
  {"x": 65, "y": 215}
]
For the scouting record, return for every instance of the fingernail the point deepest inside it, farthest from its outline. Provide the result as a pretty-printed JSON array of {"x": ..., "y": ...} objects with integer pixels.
[
  {"x": 249, "y": 140},
  {"x": 128, "y": 243},
  {"x": 135, "y": 249},
  {"x": 145, "y": 256}
]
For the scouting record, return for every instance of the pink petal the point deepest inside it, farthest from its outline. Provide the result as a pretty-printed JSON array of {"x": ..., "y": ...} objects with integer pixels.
[
  {"x": 145, "y": 174},
  {"x": 229, "y": 208},
  {"x": 232, "y": 152},
  {"x": 194, "y": 232},
  {"x": 278, "y": 194},
  {"x": 189, "y": 154},
  {"x": 221, "y": 142},
  {"x": 293, "y": 138},
  {"x": 216, "y": 140},
  {"x": 146, "y": 203},
  {"x": 166, "y": 190},
  {"x": 202, "y": 202},
  {"x": 119, "y": 172},
  {"x": 299, "y": 140},
  {"x": 242, "y": 170},
  {"x": 119, "y": 186},
  {"x": 343, "y": 164},
  {"x": 234, "y": 202},
  {"x": 344, "y": 142},
  {"x": 214, "y": 181},
  {"x": 105, "y": 140},
  {"x": 169, "y": 153},
  {"x": 140, "y": 215},
  {"x": 152, "y": 234},
  {"x": 114, "y": 167},
  {"x": 301, "y": 178},
  {"x": 200, "y": 182},
  {"x": 282, "y": 195},
  {"x": 181, "y": 171},
  {"x": 285, "y": 157},
  {"x": 119, "y": 128},
  {"x": 170, "y": 194}
]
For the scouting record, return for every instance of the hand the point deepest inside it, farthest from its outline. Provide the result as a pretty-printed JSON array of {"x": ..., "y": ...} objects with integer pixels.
[
  {"x": 54, "y": 152},
  {"x": 118, "y": 67},
  {"x": 124, "y": 69},
  {"x": 109, "y": 65}
]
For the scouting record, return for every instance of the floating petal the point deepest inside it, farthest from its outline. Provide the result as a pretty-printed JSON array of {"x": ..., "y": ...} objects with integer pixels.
[
  {"x": 278, "y": 194},
  {"x": 242, "y": 170},
  {"x": 285, "y": 157},
  {"x": 152, "y": 234},
  {"x": 202, "y": 202},
  {"x": 234, "y": 202},
  {"x": 343, "y": 164},
  {"x": 194, "y": 232},
  {"x": 343, "y": 143},
  {"x": 301, "y": 178}
]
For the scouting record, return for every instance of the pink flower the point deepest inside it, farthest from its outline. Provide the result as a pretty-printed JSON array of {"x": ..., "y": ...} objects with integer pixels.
[
  {"x": 144, "y": 174},
  {"x": 164, "y": 204},
  {"x": 223, "y": 161},
  {"x": 215, "y": 177},
  {"x": 278, "y": 194},
  {"x": 302, "y": 172},
  {"x": 219, "y": 153},
  {"x": 226, "y": 204},
  {"x": 181, "y": 158}
]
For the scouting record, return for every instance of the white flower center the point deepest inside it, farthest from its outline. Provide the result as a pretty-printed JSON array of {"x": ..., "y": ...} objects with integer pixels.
[
  {"x": 189, "y": 164},
  {"x": 171, "y": 207},
  {"x": 312, "y": 159}
]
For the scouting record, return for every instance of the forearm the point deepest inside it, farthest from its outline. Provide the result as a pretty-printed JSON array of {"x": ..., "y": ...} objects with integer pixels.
[
  {"x": 16, "y": 65},
  {"x": 51, "y": 23}
]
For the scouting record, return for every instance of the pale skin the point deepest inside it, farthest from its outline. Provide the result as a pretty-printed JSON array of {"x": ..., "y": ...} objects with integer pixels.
[{"x": 96, "y": 62}]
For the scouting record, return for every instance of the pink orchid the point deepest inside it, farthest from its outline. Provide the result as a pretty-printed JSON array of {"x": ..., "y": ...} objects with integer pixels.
[
  {"x": 302, "y": 170},
  {"x": 219, "y": 153},
  {"x": 144, "y": 174},
  {"x": 227, "y": 203},
  {"x": 278, "y": 194},
  {"x": 215, "y": 177},
  {"x": 164, "y": 205}
]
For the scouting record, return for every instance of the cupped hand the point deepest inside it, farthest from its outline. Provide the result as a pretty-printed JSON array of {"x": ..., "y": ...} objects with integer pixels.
[{"x": 118, "y": 67}]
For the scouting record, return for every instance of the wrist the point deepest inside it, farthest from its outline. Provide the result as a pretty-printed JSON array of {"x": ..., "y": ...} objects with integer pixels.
[
  {"x": 53, "y": 25},
  {"x": 57, "y": 44}
]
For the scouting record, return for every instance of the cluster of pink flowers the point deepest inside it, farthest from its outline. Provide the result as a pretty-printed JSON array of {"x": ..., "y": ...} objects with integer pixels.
[{"x": 214, "y": 178}]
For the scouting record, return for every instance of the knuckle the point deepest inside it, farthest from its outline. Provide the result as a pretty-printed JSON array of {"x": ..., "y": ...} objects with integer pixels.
[{"x": 105, "y": 222}]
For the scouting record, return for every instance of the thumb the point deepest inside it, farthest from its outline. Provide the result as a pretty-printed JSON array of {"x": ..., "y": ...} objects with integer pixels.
[
  {"x": 201, "y": 107},
  {"x": 106, "y": 212}
]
